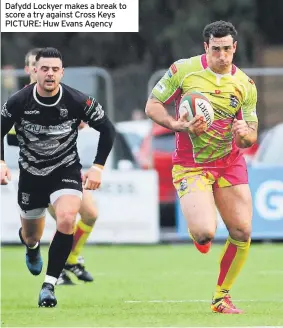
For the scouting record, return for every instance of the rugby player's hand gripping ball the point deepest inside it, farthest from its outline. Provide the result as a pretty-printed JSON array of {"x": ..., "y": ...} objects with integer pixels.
[{"x": 195, "y": 104}]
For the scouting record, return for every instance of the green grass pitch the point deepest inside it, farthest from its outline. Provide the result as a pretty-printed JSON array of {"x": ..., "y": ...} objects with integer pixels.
[{"x": 146, "y": 286}]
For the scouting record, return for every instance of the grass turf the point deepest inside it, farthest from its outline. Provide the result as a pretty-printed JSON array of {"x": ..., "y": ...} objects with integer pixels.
[{"x": 146, "y": 286}]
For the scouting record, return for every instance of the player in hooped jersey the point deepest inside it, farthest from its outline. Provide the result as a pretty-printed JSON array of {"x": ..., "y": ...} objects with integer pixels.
[
  {"x": 208, "y": 168},
  {"x": 47, "y": 115},
  {"x": 88, "y": 211}
]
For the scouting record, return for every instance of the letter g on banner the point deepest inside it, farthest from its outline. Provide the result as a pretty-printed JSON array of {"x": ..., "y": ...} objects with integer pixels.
[{"x": 269, "y": 200}]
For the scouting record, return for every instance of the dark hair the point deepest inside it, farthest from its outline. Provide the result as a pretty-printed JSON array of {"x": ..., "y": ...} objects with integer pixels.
[
  {"x": 219, "y": 29},
  {"x": 32, "y": 52},
  {"x": 48, "y": 52}
]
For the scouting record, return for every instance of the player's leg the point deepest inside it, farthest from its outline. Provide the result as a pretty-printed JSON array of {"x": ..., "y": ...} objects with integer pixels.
[
  {"x": 65, "y": 197},
  {"x": 32, "y": 204},
  {"x": 51, "y": 211},
  {"x": 66, "y": 203},
  {"x": 235, "y": 206},
  {"x": 194, "y": 187},
  {"x": 84, "y": 227},
  {"x": 30, "y": 233},
  {"x": 33, "y": 226},
  {"x": 64, "y": 278}
]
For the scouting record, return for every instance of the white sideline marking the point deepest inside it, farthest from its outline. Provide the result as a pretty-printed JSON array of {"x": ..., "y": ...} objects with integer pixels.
[
  {"x": 197, "y": 272},
  {"x": 200, "y": 301},
  {"x": 188, "y": 327}
]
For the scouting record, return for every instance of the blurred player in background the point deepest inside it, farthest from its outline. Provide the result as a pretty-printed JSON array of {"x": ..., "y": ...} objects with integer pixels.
[
  {"x": 88, "y": 211},
  {"x": 30, "y": 70},
  {"x": 47, "y": 115},
  {"x": 208, "y": 166},
  {"x": 30, "y": 64}
]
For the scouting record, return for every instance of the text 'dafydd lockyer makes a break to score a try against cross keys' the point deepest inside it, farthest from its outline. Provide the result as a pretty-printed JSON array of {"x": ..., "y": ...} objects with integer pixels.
[{"x": 70, "y": 16}]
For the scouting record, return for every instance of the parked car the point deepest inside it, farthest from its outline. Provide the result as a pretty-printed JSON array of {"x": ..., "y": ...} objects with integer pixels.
[{"x": 134, "y": 133}]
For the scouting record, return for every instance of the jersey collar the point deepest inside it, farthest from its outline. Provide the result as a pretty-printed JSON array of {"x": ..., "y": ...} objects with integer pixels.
[
  {"x": 51, "y": 105},
  {"x": 205, "y": 65}
]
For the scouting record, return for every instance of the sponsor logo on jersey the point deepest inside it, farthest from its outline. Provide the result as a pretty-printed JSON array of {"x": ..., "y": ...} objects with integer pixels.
[
  {"x": 31, "y": 112},
  {"x": 183, "y": 185},
  {"x": 25, "y": 198},
  {"x": 88, "y": 102},
  {"x": 89, "y": 106},
  {"x": 45, "y": 146},
  {"x": 160, "y": 87},
  {"x": 51, "y": 129},
  {"x": 70, "y": 181},
  {"x": 223, "y": 113},
  {"x": 173, "y": 69},
  {"x": 63, "y": 112},
  {"x": 234, "y": 101}
]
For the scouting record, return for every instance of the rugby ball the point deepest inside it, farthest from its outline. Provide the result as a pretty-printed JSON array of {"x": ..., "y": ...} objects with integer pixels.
[{"x": 195, "y": 103}]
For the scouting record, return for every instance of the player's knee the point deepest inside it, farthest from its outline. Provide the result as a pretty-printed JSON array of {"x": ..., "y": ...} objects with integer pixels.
[
  {"x": 31, "y": 240},
  {"x": 66, "y": 220},
  {"x": 241, "y": 233},
  {"x": 89, "y": 217},
  {"x": 204, "y": 237},
  {"x": 90, "y": 221}
]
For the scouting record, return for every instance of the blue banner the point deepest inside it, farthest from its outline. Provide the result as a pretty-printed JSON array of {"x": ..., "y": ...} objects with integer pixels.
[{"x": 267, "y": 192}]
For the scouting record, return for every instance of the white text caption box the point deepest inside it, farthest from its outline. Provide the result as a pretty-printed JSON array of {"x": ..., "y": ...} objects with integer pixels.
[{"x": 70, "y": 16}]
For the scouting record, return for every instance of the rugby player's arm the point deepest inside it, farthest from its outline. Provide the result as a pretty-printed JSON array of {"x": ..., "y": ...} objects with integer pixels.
[
  {"x": 97, "y": 119},
  {"x": 249, "y": 117},
  {"x": 156, "y": 110},
  {"x": 250, "y": 138},
  {"x": 106, "y": 140},
  {"x": 7, "y": 122},
  {"x": 165, "y": 91}
]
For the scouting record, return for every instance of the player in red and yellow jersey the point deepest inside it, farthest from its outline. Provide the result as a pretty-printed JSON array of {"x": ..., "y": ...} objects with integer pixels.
[{"x": 208, "y": 168}]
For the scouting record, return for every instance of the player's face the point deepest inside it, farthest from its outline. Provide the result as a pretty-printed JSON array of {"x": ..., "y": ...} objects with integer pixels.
[
  {"x": 30, "y": 69},
  {"x": 220, "y": 53},
  {"x": 49, "y": 73}
]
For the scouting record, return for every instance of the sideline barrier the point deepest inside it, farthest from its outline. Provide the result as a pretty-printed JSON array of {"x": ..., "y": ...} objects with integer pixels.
[{"x": 128, "y": 209}]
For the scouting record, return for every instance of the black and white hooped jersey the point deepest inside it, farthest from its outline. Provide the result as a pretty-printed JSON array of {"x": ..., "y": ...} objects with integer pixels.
[{"x": 47, "y": 133}]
